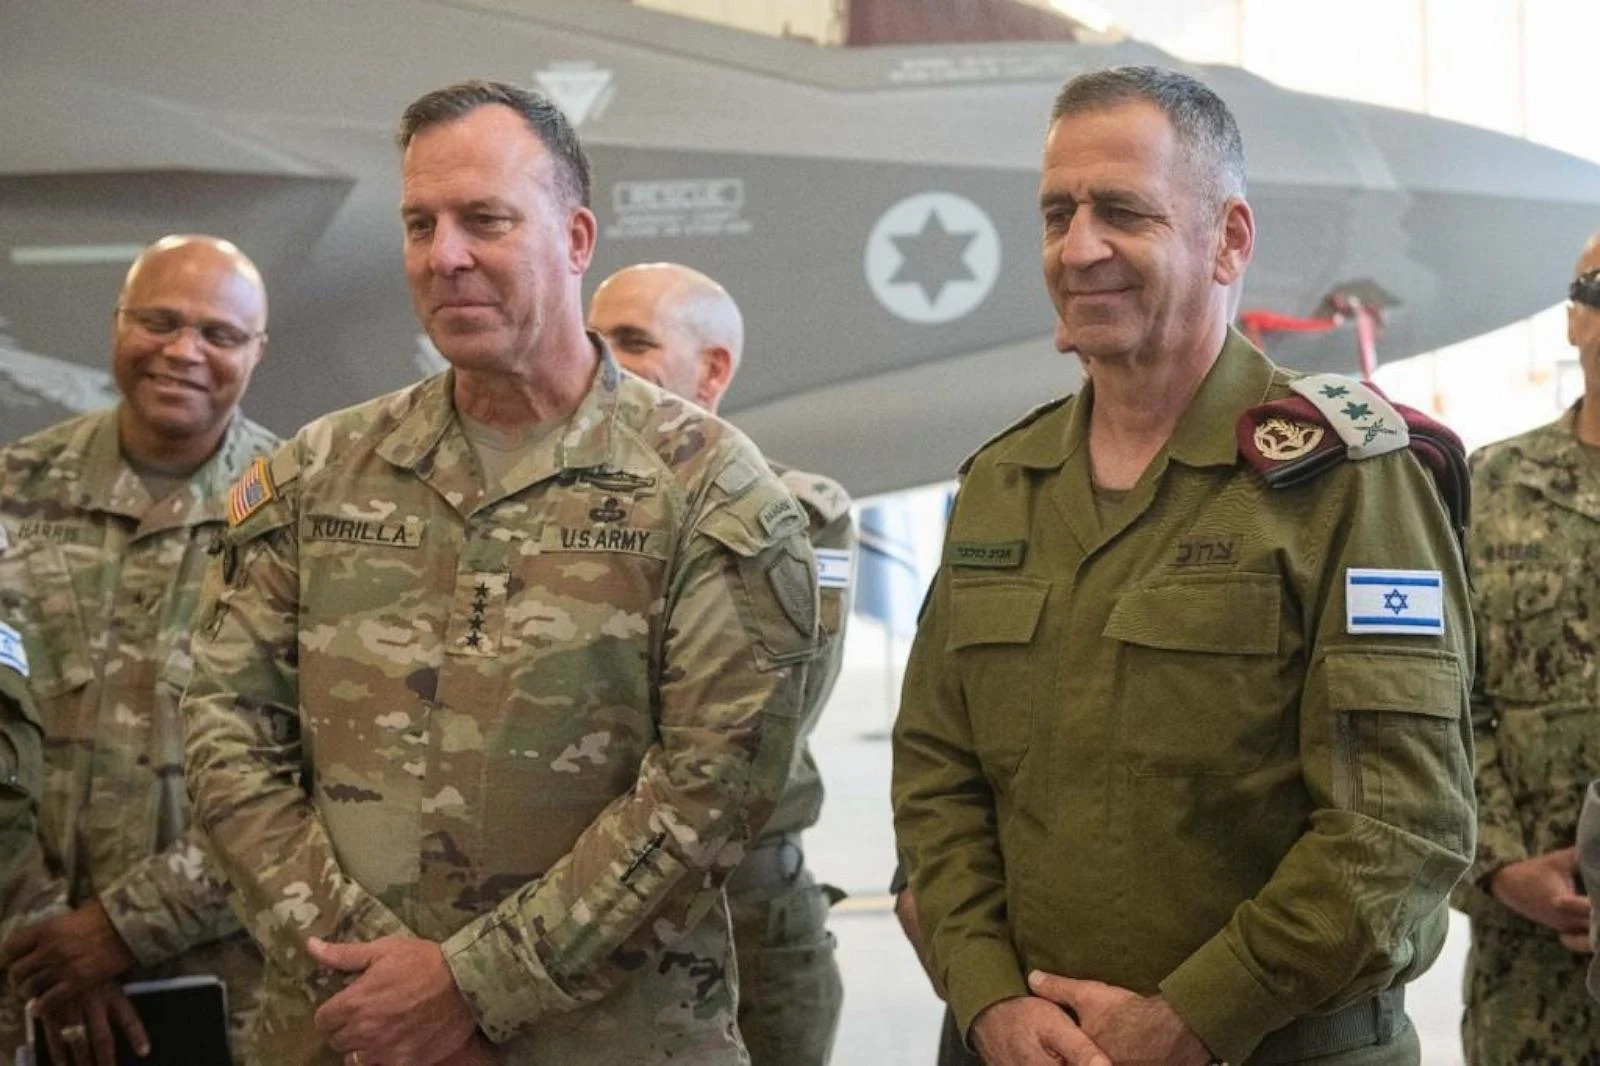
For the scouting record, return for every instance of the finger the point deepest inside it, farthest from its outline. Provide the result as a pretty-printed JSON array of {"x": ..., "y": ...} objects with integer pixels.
[
  {"x": 1072, "y": 1045},
  {"x": 37, "y": 985},
  {"x": 132, "y": 1026},
  {"x": 1068, "y": 991},
  {"x": 102, "y": 1047},
  {"x": 351, "y": 958},
  {"x": 26, "y": 967},
  {"x": 1565, "y": 859},
  {"x": 53, "y": 1041},
  {"x": 336, "y": 1014},
  {"x": 55, "y": 998},
  {"x": 17, "y": 946}
]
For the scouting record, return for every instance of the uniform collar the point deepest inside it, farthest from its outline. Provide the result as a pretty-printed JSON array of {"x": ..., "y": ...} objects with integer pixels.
[
  {"x": 430, "y": 442},
  {"x": 1240, "y": 378},
  {"x": 104, "y": 480}
]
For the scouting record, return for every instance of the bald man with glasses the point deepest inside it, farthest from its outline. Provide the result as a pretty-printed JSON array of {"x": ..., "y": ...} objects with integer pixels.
[{"x": 107, "y": 521}]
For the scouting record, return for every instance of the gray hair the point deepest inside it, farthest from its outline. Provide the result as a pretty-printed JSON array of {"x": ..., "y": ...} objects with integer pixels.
[
  {"x": 1207, "y": 132},
  {"x": 544, "y": 120}
]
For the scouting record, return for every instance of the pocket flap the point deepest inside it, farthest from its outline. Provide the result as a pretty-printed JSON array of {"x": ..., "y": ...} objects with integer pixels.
[
  {"x": 1394, "y": 681},
  {"x": 984, "y": 612},
  {"x": 1234, "y": 614}
]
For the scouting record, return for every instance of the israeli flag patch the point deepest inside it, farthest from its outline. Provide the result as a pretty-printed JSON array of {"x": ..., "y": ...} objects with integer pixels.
[
  {"x": 1409, "y": 602},
  {"x": 833, "y": 567},
  {"x": 12, "y": 653}
]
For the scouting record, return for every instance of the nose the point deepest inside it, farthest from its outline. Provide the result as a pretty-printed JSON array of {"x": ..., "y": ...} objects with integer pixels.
[
  {"x": 449, "y": 251},
  {"x": 1083, "y": 245},
  {"x": 184, "y": 343}
]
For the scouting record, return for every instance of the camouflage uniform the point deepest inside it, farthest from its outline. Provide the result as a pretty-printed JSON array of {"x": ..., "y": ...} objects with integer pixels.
[
  {"x": 790, "y": 990},
  {"x": 1535, "y": 550},
  {"x": 21, "y": 782},
  {"x": 534, "y": 721},
  {"x": 1150, "y": 748},
  {"x": 102, "y": 582}
]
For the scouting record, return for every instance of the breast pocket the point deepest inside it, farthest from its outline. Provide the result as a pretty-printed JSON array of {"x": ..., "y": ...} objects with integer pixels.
[
  {"x": 992, "y": 632},
  {"x": 36, "y": 591},
  {"x": 1202, "y": 686}
]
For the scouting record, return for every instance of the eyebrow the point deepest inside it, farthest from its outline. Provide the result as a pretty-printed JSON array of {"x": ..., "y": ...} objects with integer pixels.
[
  {"x": 630, "y": 333},
  {"x": 1110, "y": 197}
]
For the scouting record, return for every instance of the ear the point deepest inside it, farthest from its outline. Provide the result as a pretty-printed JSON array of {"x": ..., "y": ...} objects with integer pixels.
[
  {"x": 716, "y": 374},
  {"x": 1237, "y": 242},
  {"x": 581, "y": 230}
]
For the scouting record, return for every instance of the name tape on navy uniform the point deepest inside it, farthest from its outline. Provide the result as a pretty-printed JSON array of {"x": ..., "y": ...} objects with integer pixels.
[
  {"x": 833, "y": 567},
  {"x": 1394, "y": 601},
  {"x": 12, "y": 653}
]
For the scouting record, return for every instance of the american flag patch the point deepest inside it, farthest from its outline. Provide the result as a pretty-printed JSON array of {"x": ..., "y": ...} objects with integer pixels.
[{"x": 250, "y": 493}]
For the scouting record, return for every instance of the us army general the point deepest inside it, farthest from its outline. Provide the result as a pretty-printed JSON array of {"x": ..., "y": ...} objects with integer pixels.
[{"x": 504, "y": 670}]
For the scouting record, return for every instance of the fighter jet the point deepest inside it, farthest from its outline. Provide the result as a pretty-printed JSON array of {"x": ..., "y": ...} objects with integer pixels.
[{"x": 872, "y": 209}]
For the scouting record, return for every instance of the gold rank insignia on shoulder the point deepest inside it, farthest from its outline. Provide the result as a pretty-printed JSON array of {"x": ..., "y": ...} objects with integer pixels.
[
  {"x": 1281, "y": 439},
  {"x": 250, "y": 493}
]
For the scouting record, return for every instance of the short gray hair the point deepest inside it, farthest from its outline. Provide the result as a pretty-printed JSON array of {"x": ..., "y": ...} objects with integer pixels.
[
  {"x": 1206, "y": 130},
  {"x": 544, "y": 120}
]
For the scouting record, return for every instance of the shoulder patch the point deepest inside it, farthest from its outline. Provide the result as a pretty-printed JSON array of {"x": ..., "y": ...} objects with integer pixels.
[
  {"x": 251, "y": 492},
  {"x": 1020, "y": 424},
  {"x": 822, "y": 496},
  {"x": 12, "y": 653},
  {"x": 1401, "y": 602},
  {"x": 1364, "y": 419}
]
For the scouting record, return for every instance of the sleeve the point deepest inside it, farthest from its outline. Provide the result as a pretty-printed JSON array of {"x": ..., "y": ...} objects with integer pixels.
[
  {"x": 244, "y": 759},
  {"x": 170, "y": 902},
  {"x": 1500, "y": 837},
  {"x": 31, "y": 885},
  {"x": 1357, "y": 904},
  {"x": 740, "y": 628},
  {"x": 944, "y": 816}
]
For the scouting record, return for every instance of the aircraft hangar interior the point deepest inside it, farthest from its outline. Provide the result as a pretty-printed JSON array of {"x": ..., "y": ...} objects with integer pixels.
[{"x": 862, "y": 176}]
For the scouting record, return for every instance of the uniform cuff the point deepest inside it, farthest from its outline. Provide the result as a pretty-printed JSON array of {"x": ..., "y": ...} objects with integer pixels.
[
  {"x": 500, "y": 976},
  {"x": 1218, "y": 998},
  {"x": 980, "y": 975},
  {"x": 1497, "y": 847},
  {"x": 132, "y": 925}
]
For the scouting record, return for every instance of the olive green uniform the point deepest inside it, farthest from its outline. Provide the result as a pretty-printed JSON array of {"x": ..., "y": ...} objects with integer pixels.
[
  {"x": 1144, "y": 747},
  {"x": 102, "y": 581},
  {"x": 21, "y": 784},
  {"x": 535, "y": 720},
  {"x": 1534, "y": 552},
  {"x": 790, "y": 989}
]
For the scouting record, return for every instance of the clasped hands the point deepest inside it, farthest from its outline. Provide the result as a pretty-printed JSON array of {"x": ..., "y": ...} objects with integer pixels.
[{"x": 1107, "y": 1025}]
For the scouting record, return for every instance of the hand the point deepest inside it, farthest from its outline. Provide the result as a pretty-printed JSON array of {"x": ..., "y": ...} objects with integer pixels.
[
  {"x": 1129, "y": 1027},
  {"x": 403, "y": 1009},
  {"x": 63, "y": 957},
  {"x": 1027, "y": 1031},
  {"x": 905, "y": 909},
  {"x": 1542, "y": 890},
  {"x": 78, "y": 1031}
]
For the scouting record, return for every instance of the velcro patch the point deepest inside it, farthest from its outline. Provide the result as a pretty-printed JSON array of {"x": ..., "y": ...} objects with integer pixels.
[
  {"x": 251, "y": 492},
  {"x": 1409, "y": 602},
  {"x": 999, "y": 556},
  {"x": 406, "y": 533},
  {"x": 605, "y": 538},
  {"x": 834, "y": 566},
  {"x": 12, "y": 653}
]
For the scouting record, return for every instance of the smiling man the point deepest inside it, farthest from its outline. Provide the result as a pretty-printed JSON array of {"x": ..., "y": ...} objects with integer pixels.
[
  {"x": 106, "y": 525},
  {"x": 505, "y": 669},
  {"x": 1183, "y": 738}
]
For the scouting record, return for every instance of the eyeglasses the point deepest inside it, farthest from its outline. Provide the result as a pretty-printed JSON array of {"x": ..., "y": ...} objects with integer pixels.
[
  {"x": 160, "y": 324},
  {"x": 1585, "y": 289}
]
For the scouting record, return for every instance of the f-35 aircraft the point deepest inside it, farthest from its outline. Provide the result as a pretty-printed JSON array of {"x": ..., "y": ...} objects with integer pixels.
[{"x": 872, "y": 209}]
